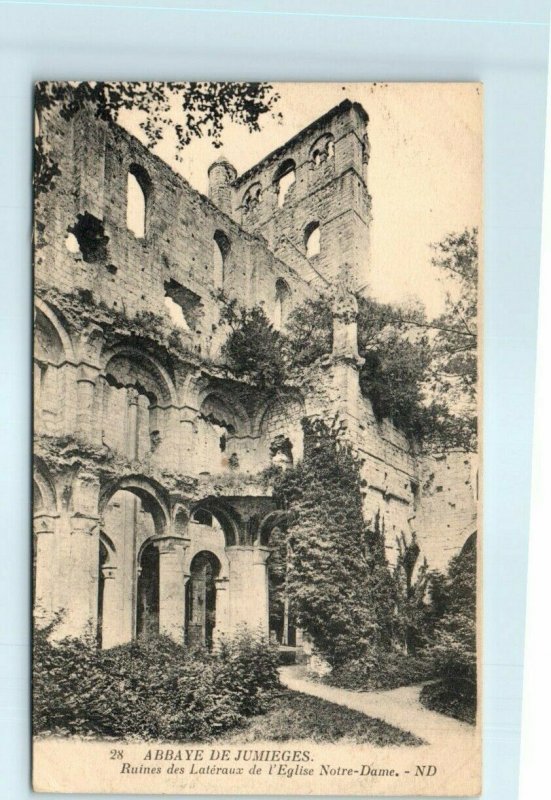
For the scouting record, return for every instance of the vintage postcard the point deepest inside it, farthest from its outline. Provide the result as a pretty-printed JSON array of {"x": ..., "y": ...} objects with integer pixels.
[{"x": 256, "y": 567}]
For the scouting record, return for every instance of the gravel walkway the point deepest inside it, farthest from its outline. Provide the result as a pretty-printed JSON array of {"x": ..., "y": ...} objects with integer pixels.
[{"x": 399, "y": 707}]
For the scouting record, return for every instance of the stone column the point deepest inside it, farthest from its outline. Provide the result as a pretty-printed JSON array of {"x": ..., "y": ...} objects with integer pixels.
[
  {"x": 261, "y": 590},
  {"x": 132, "y": 423},
  {"x": 45, "y": 573},
  {"x": 189, "y": 452},
  {"x": 78, "y": 575},
  {"x": 221, "y": 628},
  {"x": 248, "y": 588},
  {"x": 86, "y": 381},
  {"x": 111, "y": 633},
  {"x": 172, "y": 587}
]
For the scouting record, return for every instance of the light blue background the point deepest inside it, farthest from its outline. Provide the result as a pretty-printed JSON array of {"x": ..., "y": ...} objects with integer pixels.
[{"x": 302, "y": 40}]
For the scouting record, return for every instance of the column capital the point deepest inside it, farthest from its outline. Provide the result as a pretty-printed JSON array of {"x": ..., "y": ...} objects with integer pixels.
[
  {"x": 171, "y": 544},
  {"x": 188, "y": 414},
  {"x": 85, "y": 524},
  {"x": 87, "y": 374},
  {"x": 44, "y": 523},
  {"x": 261, "y": 554},
  {"x": 108, "y": 572},
  {"x": 132, "y": 394}
]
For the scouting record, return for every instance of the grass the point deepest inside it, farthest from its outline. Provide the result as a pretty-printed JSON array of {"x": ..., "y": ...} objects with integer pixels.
[{"x": 293, "y": 715}]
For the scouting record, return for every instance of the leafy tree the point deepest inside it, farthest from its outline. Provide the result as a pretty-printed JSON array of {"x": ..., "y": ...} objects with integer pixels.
[
  {"x": 192, "y": 110},
  {"x": 381, "y": 584},
  {"x": 454, "y": 645},
  {"x": 419, "y": 373},
  {"x": 281, "y": 612},
  {"x": 455, "y": 344},
  {"x": 397, "y": 360},
  {"x": 331, "y": 564},
  {"x": 410, "y": 592},
  {"x": 253, "y": 347},
  {"x": 456, "y": 328}
]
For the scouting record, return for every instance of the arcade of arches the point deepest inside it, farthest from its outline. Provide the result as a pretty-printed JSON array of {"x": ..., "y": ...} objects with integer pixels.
[
  {"x": 120, "y": 552},
  {"x": 144, "y": 565}
]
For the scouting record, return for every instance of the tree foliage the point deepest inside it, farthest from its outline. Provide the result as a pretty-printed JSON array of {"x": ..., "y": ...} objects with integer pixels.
[
  {"x": 192, "y": 110},
  {"x": 455, "y": 350},
  {"x": 411, "y": 596},
  {"x": 397, "y": 359},
  {"x": 454, "y": 643},
  {"x": 253, "y": 349},
  {"x": 334, "y": 576},
  {"x": 419, "y": 373}
]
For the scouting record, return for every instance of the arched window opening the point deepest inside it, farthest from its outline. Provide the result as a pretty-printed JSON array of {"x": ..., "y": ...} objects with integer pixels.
[
  {"x": 48, "y": 360},
  {"x": 284, "y": 178},
  {"x": 147, "y": 616},
  {"x": 135, "y": 396},
  {"x": 137, "y": 192},
  {"x": 201, "y": 599},
  {"x": 312, "y": 239},
  {"x": 282, "y": 296},
  {"x": 322, "y": 150},
  {"x": 133, "y": 518},
  {"x": 251, "y": 198},
  {"x": 221, "y": 251},
  {"x": 220, "y": 426}
]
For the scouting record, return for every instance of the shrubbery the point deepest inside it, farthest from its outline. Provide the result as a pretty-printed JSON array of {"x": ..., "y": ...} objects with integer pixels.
[
  {"x": 382, "y": 670},
  {"x": 454, "y": 645},
  {"x": 152, "y": 689}
]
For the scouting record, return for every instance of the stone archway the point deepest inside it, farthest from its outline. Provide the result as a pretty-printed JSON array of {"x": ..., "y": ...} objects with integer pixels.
[
  {"x": 201, "y": 599},
  {"x": 44, "y": 559},
  {"x": 137, "y": 396},
  {"x": 147, "y": 593},
  {"x": 135, "y": 520}
]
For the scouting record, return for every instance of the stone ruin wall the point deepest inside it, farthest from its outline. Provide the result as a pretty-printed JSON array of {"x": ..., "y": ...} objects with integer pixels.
[
  {"x": 178, "y": 245},
  {"x": 196, "y": 403}
]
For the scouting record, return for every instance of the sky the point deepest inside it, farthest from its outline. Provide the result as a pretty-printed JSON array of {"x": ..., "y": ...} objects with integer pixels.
[{"x": 425, "y": 169}]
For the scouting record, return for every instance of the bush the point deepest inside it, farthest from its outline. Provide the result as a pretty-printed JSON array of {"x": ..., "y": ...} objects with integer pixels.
[
  {"x": 454, "y": 645},
  {"x": 382, "y": 670},
  {"x": 448, "y": 699},
  {"x": 151, "y": 689}
]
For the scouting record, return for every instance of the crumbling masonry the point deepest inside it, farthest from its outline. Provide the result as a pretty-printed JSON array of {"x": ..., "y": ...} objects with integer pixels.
[{"x": 151, "y": 511}]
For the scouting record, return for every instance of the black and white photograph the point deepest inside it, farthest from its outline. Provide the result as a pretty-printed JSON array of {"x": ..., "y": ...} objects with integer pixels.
[{"x": 256, "y": 494}]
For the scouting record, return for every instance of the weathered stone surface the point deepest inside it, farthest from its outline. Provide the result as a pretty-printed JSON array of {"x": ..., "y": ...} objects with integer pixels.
[{"x": 149, "y": 452}]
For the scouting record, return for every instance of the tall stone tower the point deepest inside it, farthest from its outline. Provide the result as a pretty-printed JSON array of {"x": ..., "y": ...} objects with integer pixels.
[{"x": 309, "y": 198}]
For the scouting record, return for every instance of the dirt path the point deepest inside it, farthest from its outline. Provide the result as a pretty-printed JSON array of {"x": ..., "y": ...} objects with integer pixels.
[{"x": 399, "y": 707}]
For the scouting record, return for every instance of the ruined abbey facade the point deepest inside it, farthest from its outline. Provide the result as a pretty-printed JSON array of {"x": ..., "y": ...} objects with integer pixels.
[{"x": 152, "y": 512}]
